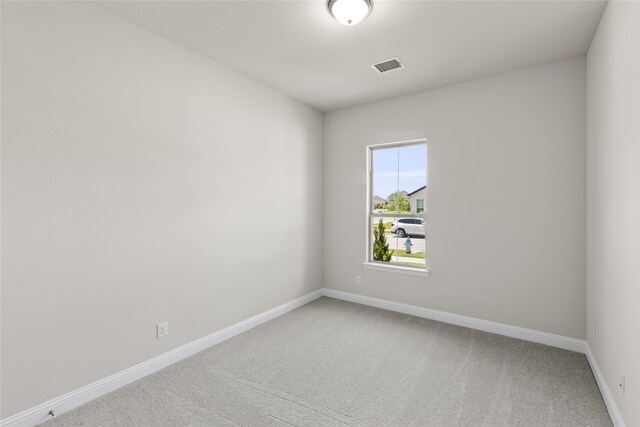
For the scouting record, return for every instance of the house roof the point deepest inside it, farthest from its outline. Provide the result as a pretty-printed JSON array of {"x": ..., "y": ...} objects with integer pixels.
[
  {"x": 415, "y": 191},
  {"x": 378, "y": 200}
]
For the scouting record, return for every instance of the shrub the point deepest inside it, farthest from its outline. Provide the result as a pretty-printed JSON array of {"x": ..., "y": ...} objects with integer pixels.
[{"x": 381, "y": 251}]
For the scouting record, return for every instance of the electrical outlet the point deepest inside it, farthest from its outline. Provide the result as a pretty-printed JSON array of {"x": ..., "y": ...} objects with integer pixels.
[
  {"x": 621, "y": 383},
  {"x": 162, "y": 329},
  {"x": 358, "y": 280}
]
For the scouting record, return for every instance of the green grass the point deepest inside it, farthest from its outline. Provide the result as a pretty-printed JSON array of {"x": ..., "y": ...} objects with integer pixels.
[
  {"x": 386, "y": 211},
  {"x": 387, "y": 227},
  {"x": 405, "y": 254}
]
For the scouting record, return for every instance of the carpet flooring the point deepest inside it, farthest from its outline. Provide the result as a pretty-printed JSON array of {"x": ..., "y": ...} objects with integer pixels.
[{"x": 335, "y": 363}]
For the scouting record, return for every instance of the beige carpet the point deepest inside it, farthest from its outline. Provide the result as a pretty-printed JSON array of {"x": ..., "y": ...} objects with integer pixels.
[{"x": 334, "y": 363}]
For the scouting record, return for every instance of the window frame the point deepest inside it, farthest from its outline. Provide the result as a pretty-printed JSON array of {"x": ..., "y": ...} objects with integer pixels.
[{"x": 369, "y": 263}]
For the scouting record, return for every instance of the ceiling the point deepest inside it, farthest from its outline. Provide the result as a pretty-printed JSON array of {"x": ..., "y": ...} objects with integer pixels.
[{"x": 297, "y": 48}]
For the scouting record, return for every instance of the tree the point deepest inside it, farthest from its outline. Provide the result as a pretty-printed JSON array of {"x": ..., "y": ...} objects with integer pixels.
[
  {"x": 381, "y": 251},
  {"x": 398, "y": 202}
]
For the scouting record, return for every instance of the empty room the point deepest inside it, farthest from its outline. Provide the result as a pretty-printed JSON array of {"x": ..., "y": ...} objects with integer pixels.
[{"x": 320, "y": 213}]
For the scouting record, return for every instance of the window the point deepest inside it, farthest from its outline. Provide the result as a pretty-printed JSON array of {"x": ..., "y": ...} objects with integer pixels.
[{"x": 396, "y": 214}]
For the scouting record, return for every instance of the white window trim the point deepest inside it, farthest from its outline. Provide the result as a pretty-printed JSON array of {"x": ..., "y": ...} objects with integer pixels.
[
  {"x": 373, "y": 265},
  {"x": 412, "y": 271}
]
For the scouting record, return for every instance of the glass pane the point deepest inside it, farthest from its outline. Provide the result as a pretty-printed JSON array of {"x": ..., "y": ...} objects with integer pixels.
[
  {"x": 412, "y": 176},
  {"x": 384, "y": 177},
  {"x": 411, "y": 243},
  {"x": 398, "y": 183},
  {"x": 383, "y": 243}
]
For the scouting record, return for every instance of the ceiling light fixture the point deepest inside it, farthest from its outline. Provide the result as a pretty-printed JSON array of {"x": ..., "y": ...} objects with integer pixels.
[{"x": 349, "y": 12}]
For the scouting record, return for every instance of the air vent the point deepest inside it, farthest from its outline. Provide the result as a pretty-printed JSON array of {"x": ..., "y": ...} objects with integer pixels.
[{"x": 388, "y": 65}]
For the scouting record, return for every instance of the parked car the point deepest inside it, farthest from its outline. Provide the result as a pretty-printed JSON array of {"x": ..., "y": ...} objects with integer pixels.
[{"x": 410, "y": 226}]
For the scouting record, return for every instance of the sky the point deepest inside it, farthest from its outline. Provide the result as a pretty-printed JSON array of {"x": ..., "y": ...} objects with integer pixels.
[{"x": 399, "y": 168}]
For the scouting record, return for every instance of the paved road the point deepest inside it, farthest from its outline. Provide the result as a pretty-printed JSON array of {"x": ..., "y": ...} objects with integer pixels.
[
  {"x": 418, "y": 246},
  {"x": 418, "y": 242}
]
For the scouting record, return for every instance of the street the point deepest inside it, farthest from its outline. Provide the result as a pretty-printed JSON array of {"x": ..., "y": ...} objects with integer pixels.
[
  {"x": 418, "y": 242},
  {"x": 417, "y": 246}
]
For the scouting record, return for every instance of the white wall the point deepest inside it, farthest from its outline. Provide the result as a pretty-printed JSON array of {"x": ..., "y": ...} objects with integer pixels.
[
  {"x": 126, "y": 164},
  {"x": 506, "y": 205},
  {"x": 613, "y": 202},
  {"x": 413, "y": 199}
]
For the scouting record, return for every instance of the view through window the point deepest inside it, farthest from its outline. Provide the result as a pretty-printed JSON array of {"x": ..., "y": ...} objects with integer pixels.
[{"x": 397, "y": 204}]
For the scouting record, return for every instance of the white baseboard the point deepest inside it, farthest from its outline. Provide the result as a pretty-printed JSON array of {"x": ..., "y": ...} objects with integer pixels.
[
  {"x": 73, "y": 399},
  {"x": 607, "y": 396},
  {"x": 553, "y": 340}
]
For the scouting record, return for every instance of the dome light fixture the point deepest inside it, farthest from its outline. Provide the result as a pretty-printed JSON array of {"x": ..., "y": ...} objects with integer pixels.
[{"x": 349, "y": 12}]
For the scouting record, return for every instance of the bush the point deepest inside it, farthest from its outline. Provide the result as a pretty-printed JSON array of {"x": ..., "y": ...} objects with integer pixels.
[{"x": 381, "y": 251}]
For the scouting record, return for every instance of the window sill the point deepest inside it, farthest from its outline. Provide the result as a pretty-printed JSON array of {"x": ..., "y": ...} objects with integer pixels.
[{"x": 396, "y": 269}]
